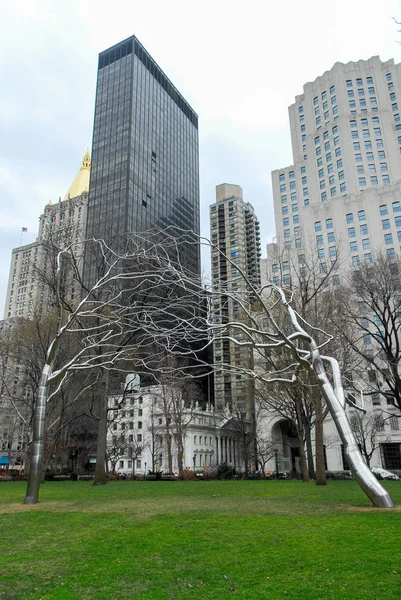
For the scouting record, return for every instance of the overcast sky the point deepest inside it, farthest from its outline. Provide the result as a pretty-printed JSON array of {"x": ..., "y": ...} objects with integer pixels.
[{"x": 239, "y": 64}]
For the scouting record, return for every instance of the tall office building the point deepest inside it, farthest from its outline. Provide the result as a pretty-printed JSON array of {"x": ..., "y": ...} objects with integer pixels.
[
  {"x": 145, "y": 171},
  {"x": 344, "y": 188},
  {"x": 61, "y": 224},
  {"x": 343, "y": 193},
  {"x": 234, "y": 230}
]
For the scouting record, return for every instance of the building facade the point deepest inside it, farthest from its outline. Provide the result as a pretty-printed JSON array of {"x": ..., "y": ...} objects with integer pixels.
[
  {"x": 339, "y": 203},
  {"x": 60, "y": 224},
  {"x": 234, "y": 235},
  {"x": 145, "y": 164},
  {"x": 343, "y": 187},
  {"x": 147, "y": 434}
]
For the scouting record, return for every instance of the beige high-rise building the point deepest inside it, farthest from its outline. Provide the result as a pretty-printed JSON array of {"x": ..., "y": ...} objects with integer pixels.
[
  {"x": 235, "y": 231},
  {"x": 60, "y": 224},
  {"x": 343, "y": 190}
]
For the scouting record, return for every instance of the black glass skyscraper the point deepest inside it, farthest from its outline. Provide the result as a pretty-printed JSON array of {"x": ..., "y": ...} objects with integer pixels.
[{"x": 145, "y": 160}]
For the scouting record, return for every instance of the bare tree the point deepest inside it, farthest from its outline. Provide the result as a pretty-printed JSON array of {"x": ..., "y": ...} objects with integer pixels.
[
  {"x": 303, "y": 344},
  {"x": 366, "y": 428},
  {"x": 371, "y": 307},
  {"x": 126, "y": 321}
]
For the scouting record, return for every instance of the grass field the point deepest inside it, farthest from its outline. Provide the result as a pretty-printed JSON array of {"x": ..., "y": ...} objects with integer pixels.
[{"x": 172, "y": 540}]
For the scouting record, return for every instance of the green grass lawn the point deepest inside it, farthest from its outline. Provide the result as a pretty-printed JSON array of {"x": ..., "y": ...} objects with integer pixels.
[{"x": 171, "y": 540}]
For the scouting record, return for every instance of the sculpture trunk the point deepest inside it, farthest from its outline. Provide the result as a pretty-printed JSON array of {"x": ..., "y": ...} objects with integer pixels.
[
  {"x": 365, "y": 478},
  {"x": 38, "y": 439}
]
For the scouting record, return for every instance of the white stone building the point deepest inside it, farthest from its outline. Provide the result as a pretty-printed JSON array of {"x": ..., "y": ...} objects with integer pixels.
[
  {"x": 340, "y": 200},
  {"x": 59, "y": 225},
  {"x": 343, "y": 189},
  {"x": 140, "y": 427}
]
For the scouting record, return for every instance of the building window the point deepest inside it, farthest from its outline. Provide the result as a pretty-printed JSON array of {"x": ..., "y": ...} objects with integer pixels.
[
  {"x": 329, "y": 223},
  {"x": 383, "y": 209},
  {"x": 354, "y": 135},
  {"x": 324, "y": 196},
  {"x": 357, "y": 146},
  {"x": 284, "y": 198},
  {"x": 396, "y": 206},
  {"x": 388, "y": 238},
  {"x": 343, "y": 187},
  {"x": 362, "y": 181},
  {"x": 368, "y": 145},
  {"x": 364, "y": 230},
  {"x": 318, "y": 226},
  {"x": 355, "y": 261},
  {"x": 390, "y": 253},
  {"x": 366, "y": 244},
  {"x": 373, "y": 180},
  {"x": 319, "y": 240},
  {"x": 332, "y": 191},
  {"x": 360, "y": 170},
  {"x": 353, "y": 246},
  {"x": 385, "y": 179},
  {"x": 351, "y": 232},
  {"x": 330, "y": 237},
  {"x": 358, "y": 157}
]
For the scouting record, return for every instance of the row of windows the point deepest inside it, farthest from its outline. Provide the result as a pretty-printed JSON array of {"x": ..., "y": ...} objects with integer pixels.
[
  {"x": 333, "y": 191},
  {"x": 360, "y": 169},
  {"x": 329, "y": 224},
  {"x": 359, "y": 81},
  {"x": 330, "y": 238},
  {"x": 368, "y": 144},
  {"x": 369, "y": 156},
  {"x": 364, "y": 122},
  {"x": 374, "y": 180},
  {"x": 365, "y": 133}
]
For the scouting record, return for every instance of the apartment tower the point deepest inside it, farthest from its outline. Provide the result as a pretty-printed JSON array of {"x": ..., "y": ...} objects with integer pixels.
[{"x": 235, "y": 235}]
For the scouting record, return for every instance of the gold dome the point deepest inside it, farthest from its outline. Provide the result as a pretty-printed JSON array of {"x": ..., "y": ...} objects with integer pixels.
[{"x": 80, "y": 185}]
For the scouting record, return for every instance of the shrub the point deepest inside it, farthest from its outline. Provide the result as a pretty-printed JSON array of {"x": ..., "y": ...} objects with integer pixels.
[{"x": 225, "y": 471}]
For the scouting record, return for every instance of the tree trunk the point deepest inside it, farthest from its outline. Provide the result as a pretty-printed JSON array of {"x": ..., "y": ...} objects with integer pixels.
[
  {"x": 319, "y": 447},
  {"x": 38, "y": 439},
  {"x": 100, "y": 471},
  {"x": 301, "y": 432},
  {"x": 311, "y": 466}
]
